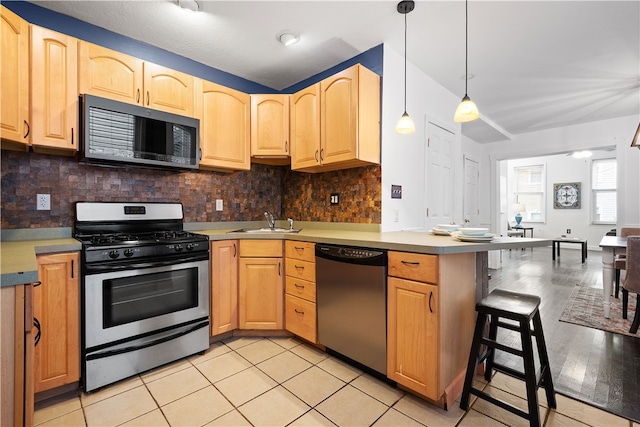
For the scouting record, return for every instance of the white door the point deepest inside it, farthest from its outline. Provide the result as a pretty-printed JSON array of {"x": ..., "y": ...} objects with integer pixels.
[
  {"x": 439, "y": 176},
  {"x": 470, "y": 203}
]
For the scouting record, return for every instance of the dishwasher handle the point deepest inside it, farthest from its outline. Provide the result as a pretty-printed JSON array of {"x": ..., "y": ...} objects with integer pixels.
[{"x": 352, "y": 255}]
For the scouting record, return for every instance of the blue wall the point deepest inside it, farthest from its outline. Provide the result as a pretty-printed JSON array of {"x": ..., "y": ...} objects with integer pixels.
[{"x": 372, "y": 59}]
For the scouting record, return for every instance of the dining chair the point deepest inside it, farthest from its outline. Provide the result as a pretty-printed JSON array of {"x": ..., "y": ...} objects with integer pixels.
[
  {"x": 631, "y": 280},
  {"x": 619, "y": 262}
]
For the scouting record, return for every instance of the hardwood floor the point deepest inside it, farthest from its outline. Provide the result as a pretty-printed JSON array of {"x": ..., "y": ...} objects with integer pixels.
[{"x": 596, "y": 367}]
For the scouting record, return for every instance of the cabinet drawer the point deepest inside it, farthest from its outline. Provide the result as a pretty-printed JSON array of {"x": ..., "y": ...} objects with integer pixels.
[
  {"x": 418, "y": 267},
  {"x": 300, "y": 317},
  {"x": 301, "y": 288},
  {"x": 260, "y": 248},
  {"x": 300, "y": 269},
  {"x": 304, "y": 251}
]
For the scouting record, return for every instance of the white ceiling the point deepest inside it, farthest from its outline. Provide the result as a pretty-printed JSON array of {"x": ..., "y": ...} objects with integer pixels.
[{"x": 536, "y": 64}]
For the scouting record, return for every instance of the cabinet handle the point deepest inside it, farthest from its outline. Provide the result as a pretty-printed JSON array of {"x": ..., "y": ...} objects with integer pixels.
[
  {"x": 235, "y": 251},
  {"x": 72, "y": 268},
  {"x": 322, "y": 154},
  {"x": 200, "y": 149},
  {"x": 316, "y": 156},
  {"x": 28, "y": 129},
  {"x": 71, "y": 136},
  {"x": 430, "y": 297},
  {"x": 279, "y": 269},
  {"x": 138, "y": 95},
  {"x": 36, "y": 324},
  {"x": 298, "y": 286},
  {"x": 147, "y": 97},
  {"x": 410, "y": 263},
  {"x": 36, "y": 284},
  {"x": 298, "y": 311},
  {"x": 286, "y": 146},
  {"x": 299, "y": 248},
  {"x": 299, "y": 267}
]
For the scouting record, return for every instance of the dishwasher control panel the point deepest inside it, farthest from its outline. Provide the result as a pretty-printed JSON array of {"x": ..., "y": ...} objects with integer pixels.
[{"x": 352, "y": 254}]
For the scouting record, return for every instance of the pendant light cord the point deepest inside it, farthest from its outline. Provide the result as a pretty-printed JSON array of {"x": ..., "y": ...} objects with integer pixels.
[
  {"x": 466, "y": 45},
  {"x": 405, "y": 62}
]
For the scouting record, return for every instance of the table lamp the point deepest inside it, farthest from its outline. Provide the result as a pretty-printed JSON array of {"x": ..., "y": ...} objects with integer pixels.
[{"x": 519, "y": 207}]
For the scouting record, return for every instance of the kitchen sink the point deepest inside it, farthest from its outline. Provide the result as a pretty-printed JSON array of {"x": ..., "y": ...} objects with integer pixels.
[{"x": 266, "y": 230}]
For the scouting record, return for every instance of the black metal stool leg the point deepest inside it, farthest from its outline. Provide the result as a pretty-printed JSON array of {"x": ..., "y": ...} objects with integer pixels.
[
  {"x": 547, "y": 381},
  {"x": 473, "y": 361},
  {"x": 491, "y": 352},
  {"x": 530, "y": 374}
]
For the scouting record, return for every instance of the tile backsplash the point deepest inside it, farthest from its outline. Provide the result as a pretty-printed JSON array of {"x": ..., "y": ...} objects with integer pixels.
[{"x": 246, "y": 195}]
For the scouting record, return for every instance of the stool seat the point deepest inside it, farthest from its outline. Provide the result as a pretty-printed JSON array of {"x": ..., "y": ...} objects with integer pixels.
[
  {"x": 511, "y": 305},
  {"x": 523, "y": 309}
]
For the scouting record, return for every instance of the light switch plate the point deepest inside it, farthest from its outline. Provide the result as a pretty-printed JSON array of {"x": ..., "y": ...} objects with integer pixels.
[
  {"x": 335, "y": 199},
  {"x": 218, "y": 204},
  {"x": 396, "y": 191}
]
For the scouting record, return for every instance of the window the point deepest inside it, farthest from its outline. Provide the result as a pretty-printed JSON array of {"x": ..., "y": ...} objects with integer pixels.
[
  {"x": 529, "y": 191},
  {"x": 603, "y": 188}
]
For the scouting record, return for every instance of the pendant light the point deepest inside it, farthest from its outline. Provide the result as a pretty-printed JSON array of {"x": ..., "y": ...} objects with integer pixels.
[
  {"x": 405, "y": 124},
  {"x": 467, "y": 110}
]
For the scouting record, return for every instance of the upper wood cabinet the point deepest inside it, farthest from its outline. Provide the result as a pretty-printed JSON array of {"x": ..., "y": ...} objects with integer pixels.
[
  {"x": 224, "y": 286},
  {"x": 56, "y": 308},
  {"x": 270, "y": 129},
  {"x": 349, "y": 122},
  {"x": 114, "y": 75},
  {"x": 305, "y": 128},
  {"x": 54, "y": 91},
  {"x": 225, "y": 119},
  {"x": 14, "y": 81}
]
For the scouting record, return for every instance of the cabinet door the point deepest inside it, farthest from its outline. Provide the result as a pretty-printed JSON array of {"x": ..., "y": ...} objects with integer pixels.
[
  {"x": 56, "y": 306},
  {"x": 261, "y": 293},
  {"x": 412, "y": 337},
  {"x": 224, "y": 127},
  {"x": 339, "y": 116},
  {"x": 224, "y": 286},
  {"x": 168, "y": 90},
  {"x": 305, "y": 128},
  {"x": 270, "y": 125},
  {"x": 54, "y": 90},
  {"x": 300, "y": 318},
  {"x": 14, "y": 80},
  {"x": 109, "y": 74}
]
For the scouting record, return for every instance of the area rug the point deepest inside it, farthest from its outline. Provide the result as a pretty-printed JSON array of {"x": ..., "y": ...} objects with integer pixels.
[{"x": 585, "y": 307}]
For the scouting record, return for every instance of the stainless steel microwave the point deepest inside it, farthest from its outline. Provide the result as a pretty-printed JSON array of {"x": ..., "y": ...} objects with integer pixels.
[{"x": 116, "y": 132}]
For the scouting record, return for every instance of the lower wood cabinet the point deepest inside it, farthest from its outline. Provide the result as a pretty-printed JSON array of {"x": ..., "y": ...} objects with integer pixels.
[
  {"x": 261, "y": 285},
  {"x": 56, "y": 311},
  {"x": 300, "y": 290},
  {"x": 224, "y": 286}
]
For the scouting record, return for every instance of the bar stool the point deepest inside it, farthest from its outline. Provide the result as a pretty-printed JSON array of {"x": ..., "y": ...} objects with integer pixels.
[{"x": 521, "y": 308}]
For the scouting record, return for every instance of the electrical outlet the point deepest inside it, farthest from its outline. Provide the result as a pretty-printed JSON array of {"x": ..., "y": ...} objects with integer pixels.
[
  {"x": 43, "y": 202},
  {"x": 568, "y": 231},
  {"x": 218, "y": 204}
]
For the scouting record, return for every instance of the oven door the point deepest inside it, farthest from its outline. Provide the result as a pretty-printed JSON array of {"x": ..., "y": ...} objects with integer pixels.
[{"x": 135, "y": 302}]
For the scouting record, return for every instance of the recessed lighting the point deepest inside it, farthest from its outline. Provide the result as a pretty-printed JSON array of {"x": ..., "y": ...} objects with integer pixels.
[
  {"x": 287, "y": 38},
  {"x": 189, "y": 5}
]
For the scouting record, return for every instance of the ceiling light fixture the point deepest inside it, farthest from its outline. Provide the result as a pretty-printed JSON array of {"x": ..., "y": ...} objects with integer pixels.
[
  {"x": 584, "y": 154},
  {"x": 405, "y": 124},
  {"x": 287, "y": 38},
  {"x": 467, "y": 110},
  {"x": 192, "y": 5}
]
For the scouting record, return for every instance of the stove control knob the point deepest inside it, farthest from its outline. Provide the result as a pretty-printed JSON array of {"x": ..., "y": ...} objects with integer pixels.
[
  {"x": 114, "y": 254},
  {"x": 178, "y": 248},
  {"x": 190, "y": 246},
  {"x": 128, "y": 252}
]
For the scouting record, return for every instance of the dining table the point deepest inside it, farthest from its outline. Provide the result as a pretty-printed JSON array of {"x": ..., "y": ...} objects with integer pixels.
[{"x": 610, "y": 246}]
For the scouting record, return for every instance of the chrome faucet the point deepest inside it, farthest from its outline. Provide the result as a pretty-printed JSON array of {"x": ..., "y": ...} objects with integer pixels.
[
  {"x": 290, "y": 223},
  {"x": 270, "y": 220}
]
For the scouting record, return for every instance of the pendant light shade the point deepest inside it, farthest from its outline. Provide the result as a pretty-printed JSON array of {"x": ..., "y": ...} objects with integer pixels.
[
  {"x": 405, "y": 124},
  {"x": 467, "y": 110}
]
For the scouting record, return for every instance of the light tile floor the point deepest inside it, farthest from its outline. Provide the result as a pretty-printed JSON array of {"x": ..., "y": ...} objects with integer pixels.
[{"x": 284, "y": 382}]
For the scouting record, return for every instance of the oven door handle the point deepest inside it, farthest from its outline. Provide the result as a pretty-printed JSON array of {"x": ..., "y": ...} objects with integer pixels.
[
  {"x": 100, "y": 268},
  {"x": 108, "y": 353}
]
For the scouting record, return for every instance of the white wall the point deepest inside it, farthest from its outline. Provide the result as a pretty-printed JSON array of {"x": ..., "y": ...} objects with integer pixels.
[{"x": 403, "y": 156}]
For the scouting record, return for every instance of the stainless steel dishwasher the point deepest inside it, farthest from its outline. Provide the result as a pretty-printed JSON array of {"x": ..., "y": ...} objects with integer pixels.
[{"x": 351, "y": 298}]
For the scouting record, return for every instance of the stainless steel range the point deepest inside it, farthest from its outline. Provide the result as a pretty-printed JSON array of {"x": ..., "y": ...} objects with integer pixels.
[{"x": 145, "y": 289}]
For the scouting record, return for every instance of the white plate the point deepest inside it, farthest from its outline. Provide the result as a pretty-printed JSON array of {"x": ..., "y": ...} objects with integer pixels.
[
  {"x": 439, "y": 232},
  {"x": 448, "y": 227},
  {"x": 473, "y": 231},
  {"x": 487, "y": 237}
]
